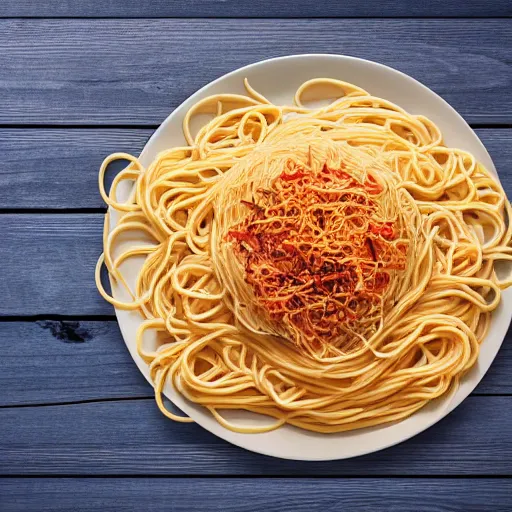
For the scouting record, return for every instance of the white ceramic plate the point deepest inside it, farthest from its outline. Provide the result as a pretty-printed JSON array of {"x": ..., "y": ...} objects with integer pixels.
[{"x": 278, "y": 79}]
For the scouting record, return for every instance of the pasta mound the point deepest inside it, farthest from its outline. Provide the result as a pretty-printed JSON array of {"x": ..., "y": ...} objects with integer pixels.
[{"x": 319, "y": 250}]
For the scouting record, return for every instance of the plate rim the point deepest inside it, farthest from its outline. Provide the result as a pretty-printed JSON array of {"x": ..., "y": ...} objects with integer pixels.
[{"x": 228, "y": 435}]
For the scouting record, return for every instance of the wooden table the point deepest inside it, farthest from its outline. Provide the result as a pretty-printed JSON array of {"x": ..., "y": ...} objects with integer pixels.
[{"x": 79, "y": 429}]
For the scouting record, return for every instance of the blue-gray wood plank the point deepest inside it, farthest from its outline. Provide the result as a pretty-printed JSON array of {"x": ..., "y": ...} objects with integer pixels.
[
  {"x": 55, "y": 361},
  {"x": 60, "y": 361},
  {"x": 253, "y": 8},
  {"x": 118, "y": 72},
  {"x": 132, "y": 437},
  {"x": 57, "y": 168},
  {"x": 48, "y": 264},
  {"x": 62, "y": 164},
  {"x": 232, "y": 495}
]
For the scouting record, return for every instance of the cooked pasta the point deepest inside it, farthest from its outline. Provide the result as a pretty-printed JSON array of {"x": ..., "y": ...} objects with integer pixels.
[{"x": 331, "y": 268}]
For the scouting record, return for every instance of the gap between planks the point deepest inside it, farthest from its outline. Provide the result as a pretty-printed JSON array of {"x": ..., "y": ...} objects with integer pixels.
[
  {"x": 152, "y": 397},
  {"x": 32, "y": 126},
  {"x": 260, "y": 477}
]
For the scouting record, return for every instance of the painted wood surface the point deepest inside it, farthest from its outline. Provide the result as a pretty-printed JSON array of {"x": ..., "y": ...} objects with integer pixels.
[
  {"x": 134, "y": 72},
  {"x": 73, "y": 402},
  {"x": 62, "y": 361},
  {"x": 45, "y": 265},
  {"x": 253, "y": 8},
  {"x": 48, "y": 264},
  {"x": 57, "y": 168},
  {"x": 232, "y": 495},
  {"x": 56, "y": 361},
  {"x": 132, "y": 437}
]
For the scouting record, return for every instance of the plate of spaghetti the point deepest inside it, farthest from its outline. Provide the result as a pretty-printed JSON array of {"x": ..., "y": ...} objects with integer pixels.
[{"x": 309, "y": 258}]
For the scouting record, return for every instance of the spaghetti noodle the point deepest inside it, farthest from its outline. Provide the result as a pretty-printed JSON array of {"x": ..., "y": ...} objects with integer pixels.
[{"x": 331, "y": 268}]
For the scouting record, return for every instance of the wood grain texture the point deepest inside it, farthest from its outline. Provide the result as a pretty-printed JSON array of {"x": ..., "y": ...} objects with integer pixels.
[
  {"x": 59, "y": 361},
  {"x": 232, "y": 495},
  {"x": 52, "y": 361},
  {"x": 252, "y": 8},
  {"x": 58, "y": 168},
  {"x": 114, "y": 72},
  {"x": 133, "y": 437},
  {"x": 47, "y": 268},
  {"x": 48, "y": 264}
]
